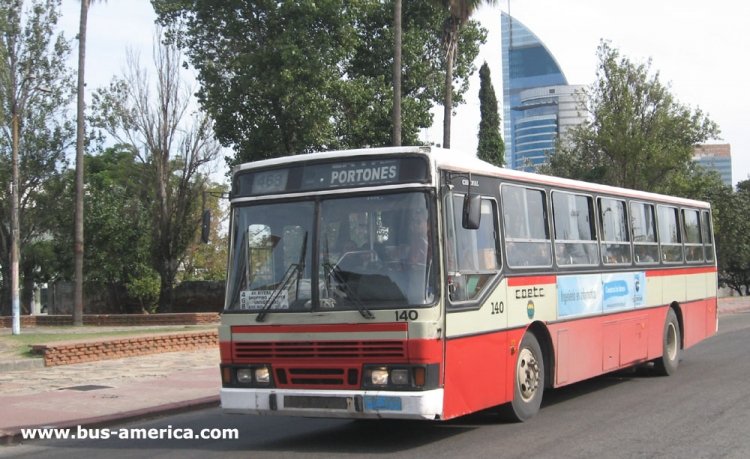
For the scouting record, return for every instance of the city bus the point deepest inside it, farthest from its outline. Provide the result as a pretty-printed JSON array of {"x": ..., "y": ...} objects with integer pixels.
[{"x": 422, "y": 283}]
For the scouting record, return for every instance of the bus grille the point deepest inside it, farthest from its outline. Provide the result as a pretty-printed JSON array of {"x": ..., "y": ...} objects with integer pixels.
[
  {"x": 264, "y": 351},
  {"x": 317, "y": 378}
]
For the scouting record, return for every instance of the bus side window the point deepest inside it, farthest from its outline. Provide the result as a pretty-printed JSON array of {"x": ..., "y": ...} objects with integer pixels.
[
  {"x": 575, "y": 230},
  {"x": 473, "y": 255},
  {"x": 527, "y": 235},
  {"x": 643, "y": 228},
  {"x": 708, "y": 240},
  {"x": 670, "y": 236},
  {"x": 693, "y": 242},
  {"x": 615, "y": 241}
]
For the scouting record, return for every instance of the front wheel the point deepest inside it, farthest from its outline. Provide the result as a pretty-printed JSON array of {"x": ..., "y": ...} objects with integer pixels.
[
  {"x": 528, "y": 384},
  {"x": 666, "y": 365}
]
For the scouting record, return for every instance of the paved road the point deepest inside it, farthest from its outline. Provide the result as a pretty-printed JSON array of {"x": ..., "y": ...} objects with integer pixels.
[{"x": 702, "y": 411}]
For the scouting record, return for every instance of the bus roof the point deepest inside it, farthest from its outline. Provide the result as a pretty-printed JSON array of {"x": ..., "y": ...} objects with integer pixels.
[{"x": 460, "y": 161}]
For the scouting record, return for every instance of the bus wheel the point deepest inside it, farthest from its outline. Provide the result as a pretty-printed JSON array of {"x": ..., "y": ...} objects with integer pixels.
[
  {"x": 666, "y": 365},
  {"x": 528, "y": 384}
]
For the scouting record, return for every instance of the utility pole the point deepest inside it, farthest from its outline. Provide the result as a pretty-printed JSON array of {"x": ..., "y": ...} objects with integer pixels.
[{"x": 15, "y": 231}]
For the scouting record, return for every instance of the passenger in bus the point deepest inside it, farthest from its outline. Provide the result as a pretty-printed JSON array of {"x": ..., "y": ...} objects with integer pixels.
[{"x": 417, "y": 239}]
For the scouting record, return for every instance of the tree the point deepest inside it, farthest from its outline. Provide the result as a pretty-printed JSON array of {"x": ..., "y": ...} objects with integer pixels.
[
  {"x": 491, "y": 147},
  {"x": 638, "y": 135},
  {"x": 459, "y": 12},
  {"x": 174, "y": 151},
  {"x": 35, "y": 89},
  {"x": 78, "y": 246},
  {"x": 732, "y": 235},
  {"x": 208, "y": 261},
  {"x": 117, "y": 253},
  {"x": 397, "y": 72},
  {"x": 282, "y": 78}
]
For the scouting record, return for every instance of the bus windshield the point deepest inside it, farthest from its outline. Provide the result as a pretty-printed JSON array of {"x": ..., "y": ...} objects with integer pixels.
[{"x": 373, "y": 252}]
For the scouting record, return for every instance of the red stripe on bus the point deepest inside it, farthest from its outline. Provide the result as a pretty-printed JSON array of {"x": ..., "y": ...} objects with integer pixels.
[
  {"x": 322, "y": 328},
  {"x": 533, "y": 280},
  {"x": 681, "y": 271}
]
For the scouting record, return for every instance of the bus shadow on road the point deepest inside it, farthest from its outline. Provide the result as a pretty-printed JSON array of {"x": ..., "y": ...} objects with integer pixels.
[
  {"x": 589, "y": 386},
  {"x": 383, "y": 436}
]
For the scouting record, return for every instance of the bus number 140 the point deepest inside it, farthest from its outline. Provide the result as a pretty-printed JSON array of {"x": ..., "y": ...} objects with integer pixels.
[{"x": 406, "y": 315}]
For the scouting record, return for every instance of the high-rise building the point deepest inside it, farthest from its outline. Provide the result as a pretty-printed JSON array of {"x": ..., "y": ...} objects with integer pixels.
[
  {"x": 715, "y": 157},
  {"x": 538, "y": 104}
]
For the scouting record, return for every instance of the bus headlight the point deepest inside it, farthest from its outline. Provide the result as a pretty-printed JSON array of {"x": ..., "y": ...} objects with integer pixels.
[
  {"x": 400, "y": 376},
  {"x": 259, "y": 375},
  {"x": 379, "y": 376},
  {"x": 245, "y": 375},
  {"x": 262, "y": 375}
]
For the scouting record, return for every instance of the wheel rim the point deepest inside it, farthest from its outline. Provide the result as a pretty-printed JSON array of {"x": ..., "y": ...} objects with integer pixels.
[
  {"x": 527, "y": 373},
  {"x": 671, "y": 344}
]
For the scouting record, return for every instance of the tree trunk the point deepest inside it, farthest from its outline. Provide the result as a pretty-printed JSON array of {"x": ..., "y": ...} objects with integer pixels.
[
  {"x": 397, "y": 74},
  {"x": 78, "y": 238},
  {"x": 450, "y": 55}
]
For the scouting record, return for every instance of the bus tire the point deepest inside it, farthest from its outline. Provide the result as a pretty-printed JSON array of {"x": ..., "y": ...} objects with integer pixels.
[
  {"x": 666, "y": 365},
  {"x": 528, "y": 381}
]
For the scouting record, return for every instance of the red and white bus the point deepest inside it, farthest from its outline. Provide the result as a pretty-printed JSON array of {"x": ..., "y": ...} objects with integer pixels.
[{"x": 415, "y": 282}]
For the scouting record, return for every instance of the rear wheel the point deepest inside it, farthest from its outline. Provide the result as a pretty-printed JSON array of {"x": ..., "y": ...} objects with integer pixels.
[
  {"x": 666, "y": 365},
  {"x": 528, "y": 384}
]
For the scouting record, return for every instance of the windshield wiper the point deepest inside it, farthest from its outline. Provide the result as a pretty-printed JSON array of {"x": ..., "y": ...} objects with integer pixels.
[
  {"x": 294, "y": 268},
  {"x": 288, "y": 276},
  {"x": 335, "y": 272}
]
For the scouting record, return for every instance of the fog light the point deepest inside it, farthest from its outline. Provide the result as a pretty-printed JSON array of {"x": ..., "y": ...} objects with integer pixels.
[
  {"x": 379, "y": 376},
  {"x": 244, "y": 376},
  {"x": 262, "y": 375},
  {"x": 400, "y": 377}
]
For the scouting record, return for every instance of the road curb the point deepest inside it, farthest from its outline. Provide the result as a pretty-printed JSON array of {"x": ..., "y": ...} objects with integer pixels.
[
  {"x": 12, "y": 435},
  {"x": 20, "y": 365}
]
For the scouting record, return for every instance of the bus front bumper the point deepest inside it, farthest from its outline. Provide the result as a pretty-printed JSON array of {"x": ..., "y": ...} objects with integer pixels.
[{"x": 340, "y": 404}]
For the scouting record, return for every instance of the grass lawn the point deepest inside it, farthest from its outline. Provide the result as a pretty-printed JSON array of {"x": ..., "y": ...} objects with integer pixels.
[{"x": 19, "y": 346}]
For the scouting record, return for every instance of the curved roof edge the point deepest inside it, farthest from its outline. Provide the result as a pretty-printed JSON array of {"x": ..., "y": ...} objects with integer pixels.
[{"x": 518, "y": 25}]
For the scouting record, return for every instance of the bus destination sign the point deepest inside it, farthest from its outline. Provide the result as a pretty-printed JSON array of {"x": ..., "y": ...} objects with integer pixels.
[
  {"x": 332, "y": 175},
  {"x": 351, "y": 174}
]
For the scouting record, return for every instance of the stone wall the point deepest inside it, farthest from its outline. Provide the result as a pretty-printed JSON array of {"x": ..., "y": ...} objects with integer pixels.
[{"x": 67, "y": 353}]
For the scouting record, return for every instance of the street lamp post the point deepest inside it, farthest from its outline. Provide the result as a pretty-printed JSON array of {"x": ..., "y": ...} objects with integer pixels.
[{"x": 15, "y": 232}]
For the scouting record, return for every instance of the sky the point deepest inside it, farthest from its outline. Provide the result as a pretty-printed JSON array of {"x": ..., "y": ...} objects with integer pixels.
[{"x": 699, "y": 48}]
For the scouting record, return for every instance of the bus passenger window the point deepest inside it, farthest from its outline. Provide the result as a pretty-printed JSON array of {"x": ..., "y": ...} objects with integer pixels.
[
  {"x": 575, "y": 233},
  {"x": 693, "y": 242},
  {"x": 615, "y": 236},
  {"x": 643, "y": 228},
  {"x": 670, "y": 236},
  {"x": 708, "y": 239},
  {"x": 527, "y": 235}
]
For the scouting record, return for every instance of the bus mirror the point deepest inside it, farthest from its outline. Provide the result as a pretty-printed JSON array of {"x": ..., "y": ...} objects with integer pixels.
[
  {"x": 472, "y": 211},
  {"x": 206, "y": 226}
]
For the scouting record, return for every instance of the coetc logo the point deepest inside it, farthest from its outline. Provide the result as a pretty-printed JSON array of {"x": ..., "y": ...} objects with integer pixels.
[{"x": 530, "y": 309}]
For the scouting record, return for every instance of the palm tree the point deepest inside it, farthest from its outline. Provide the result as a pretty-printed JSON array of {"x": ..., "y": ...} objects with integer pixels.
[
  {"x": 80, "y": 133},
  {"x": 397, "y": 73},
  {"x": 459, "y": 12}
]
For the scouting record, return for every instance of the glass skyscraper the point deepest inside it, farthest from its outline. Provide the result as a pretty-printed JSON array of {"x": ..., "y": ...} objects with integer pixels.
[
  {"x": 538, "y": 103},
  {"x": 715, "y": 157}
]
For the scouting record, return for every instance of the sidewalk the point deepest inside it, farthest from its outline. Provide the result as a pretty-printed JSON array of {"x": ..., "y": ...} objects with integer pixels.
[{"x": 97, "y": 393}]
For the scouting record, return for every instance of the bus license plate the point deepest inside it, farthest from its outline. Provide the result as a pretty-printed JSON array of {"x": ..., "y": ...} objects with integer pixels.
[{"x": 382, "y": 403}]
